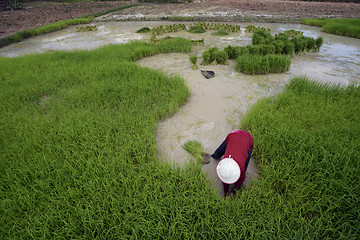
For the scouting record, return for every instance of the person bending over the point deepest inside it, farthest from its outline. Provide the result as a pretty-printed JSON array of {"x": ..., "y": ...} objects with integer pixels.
[{"x": 236, "y": 152}]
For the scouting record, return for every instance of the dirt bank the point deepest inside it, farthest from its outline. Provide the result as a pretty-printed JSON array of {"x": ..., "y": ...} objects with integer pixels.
[{"x": 40, "y": 13}]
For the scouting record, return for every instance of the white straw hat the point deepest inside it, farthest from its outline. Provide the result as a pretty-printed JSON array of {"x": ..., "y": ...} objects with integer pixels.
[{"x": 228, "y": 170}]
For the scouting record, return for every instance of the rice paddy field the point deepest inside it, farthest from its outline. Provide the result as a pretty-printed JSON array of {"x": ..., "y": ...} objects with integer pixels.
[{"x": 79, "y": 160}]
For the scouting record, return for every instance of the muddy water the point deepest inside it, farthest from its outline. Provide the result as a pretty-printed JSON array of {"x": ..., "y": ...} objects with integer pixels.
[{"x": 216, "y": 106}]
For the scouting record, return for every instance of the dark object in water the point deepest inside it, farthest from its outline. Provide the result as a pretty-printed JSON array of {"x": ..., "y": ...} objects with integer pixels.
[{"x": 208, "y": 74}]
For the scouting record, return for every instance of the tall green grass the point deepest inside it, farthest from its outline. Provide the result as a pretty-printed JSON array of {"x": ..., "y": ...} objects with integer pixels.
[
  {"x": 255, "y": 64},
  {"x": 309, "y": 153},
  {"x": 344, "y": 27},
  {"x": 78, "y": 156}
]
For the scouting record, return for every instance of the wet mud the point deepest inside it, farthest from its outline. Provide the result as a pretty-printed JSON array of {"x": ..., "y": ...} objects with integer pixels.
[{"x": 216, "y": 105}]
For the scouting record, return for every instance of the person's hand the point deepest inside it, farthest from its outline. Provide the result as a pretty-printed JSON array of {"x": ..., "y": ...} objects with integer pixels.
[{"x": 206, "y": 158}]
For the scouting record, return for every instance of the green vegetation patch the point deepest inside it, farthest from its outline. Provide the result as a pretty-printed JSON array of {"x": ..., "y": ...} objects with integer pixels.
[
  {"x": 308, "y": 150},
  {"x": 252, "y": 29},
  {"x": 220, "y": 33},
  {"x": 197, "y": 29},
  {"x": 255, "y": 64},
  {"x": 87, "y": 28},
  {"x": 78, "y": 155},
  {"x": 214, "y": 56},
  {"x": 196, "y": 149},
  {"x": 143, "y": 30},
  {"x": 267, "y": 54},
  {"x": 168, "y": 29},
  {"x": 343, "y": 27}
]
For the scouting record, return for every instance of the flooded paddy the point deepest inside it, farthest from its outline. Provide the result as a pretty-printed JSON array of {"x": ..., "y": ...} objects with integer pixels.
[{"x": 216, "y": 105}]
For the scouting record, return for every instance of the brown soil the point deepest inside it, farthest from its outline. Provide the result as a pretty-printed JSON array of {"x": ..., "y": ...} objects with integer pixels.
[{"x": 39, "y": 13}]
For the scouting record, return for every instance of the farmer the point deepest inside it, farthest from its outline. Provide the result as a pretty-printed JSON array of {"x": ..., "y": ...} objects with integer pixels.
[{"x": 236, "y": 151}]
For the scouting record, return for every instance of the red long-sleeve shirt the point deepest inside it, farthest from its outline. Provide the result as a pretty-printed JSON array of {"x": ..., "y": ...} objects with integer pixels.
[{"x": 238, "y": 145}]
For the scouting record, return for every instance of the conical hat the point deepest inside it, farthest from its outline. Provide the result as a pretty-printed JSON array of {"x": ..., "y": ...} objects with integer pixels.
[{"x": 228, "y": 170}]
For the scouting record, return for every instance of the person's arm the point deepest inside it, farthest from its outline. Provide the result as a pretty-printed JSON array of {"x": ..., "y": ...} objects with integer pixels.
[{"x": 219, "y": 152}]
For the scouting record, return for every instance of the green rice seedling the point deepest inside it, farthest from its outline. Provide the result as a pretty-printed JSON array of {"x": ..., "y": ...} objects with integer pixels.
[
  {"x": 196, "y": 149},
  {"x": 196, "y": 29},
  {"x": 143, "y": 30},
  {"x": 234, "y": 52},
  {"x": 344, "y": 27},
  {"x": 174, "y": 45},
  {"x": 79, "y": 156},
  {"x": 198, "y": 42},
  {"x": 206, "y": 58},
  {"x": 319, "y": 22},
  {"x": 256, "y": 64},
  {"x": 279, "y": 46},
  {"x": 230, "y": 50},
  {"x": 278, "y": 64},
  {"x": 289, "y": 48},
  {"x": 209, "y": 56},
  {"x": 193, "y": 60},
  {"x": 268, "y": 49},
  {"x": 293, "y": 33},
  {"x": 252, "y": 29},
  {"x": 309, "y": 43},
  {"x": 311, "y": 147},
  {"x": 318, "y": 43},
  {"x": 221, "y": 57},
  {"x": 220, "y": 33},
  {"x": 87, "y": 28},
  {"x": 252, "y": 64},
  {"x": 299, "y": 45},
  {"x": 255, "y": 49},
  {"x": 281, "y": 37},
  {"x": 262, "y": 37}
]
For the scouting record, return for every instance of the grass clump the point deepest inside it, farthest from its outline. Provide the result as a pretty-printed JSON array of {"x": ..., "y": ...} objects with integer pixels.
[{"x": 343, "y": 27}]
